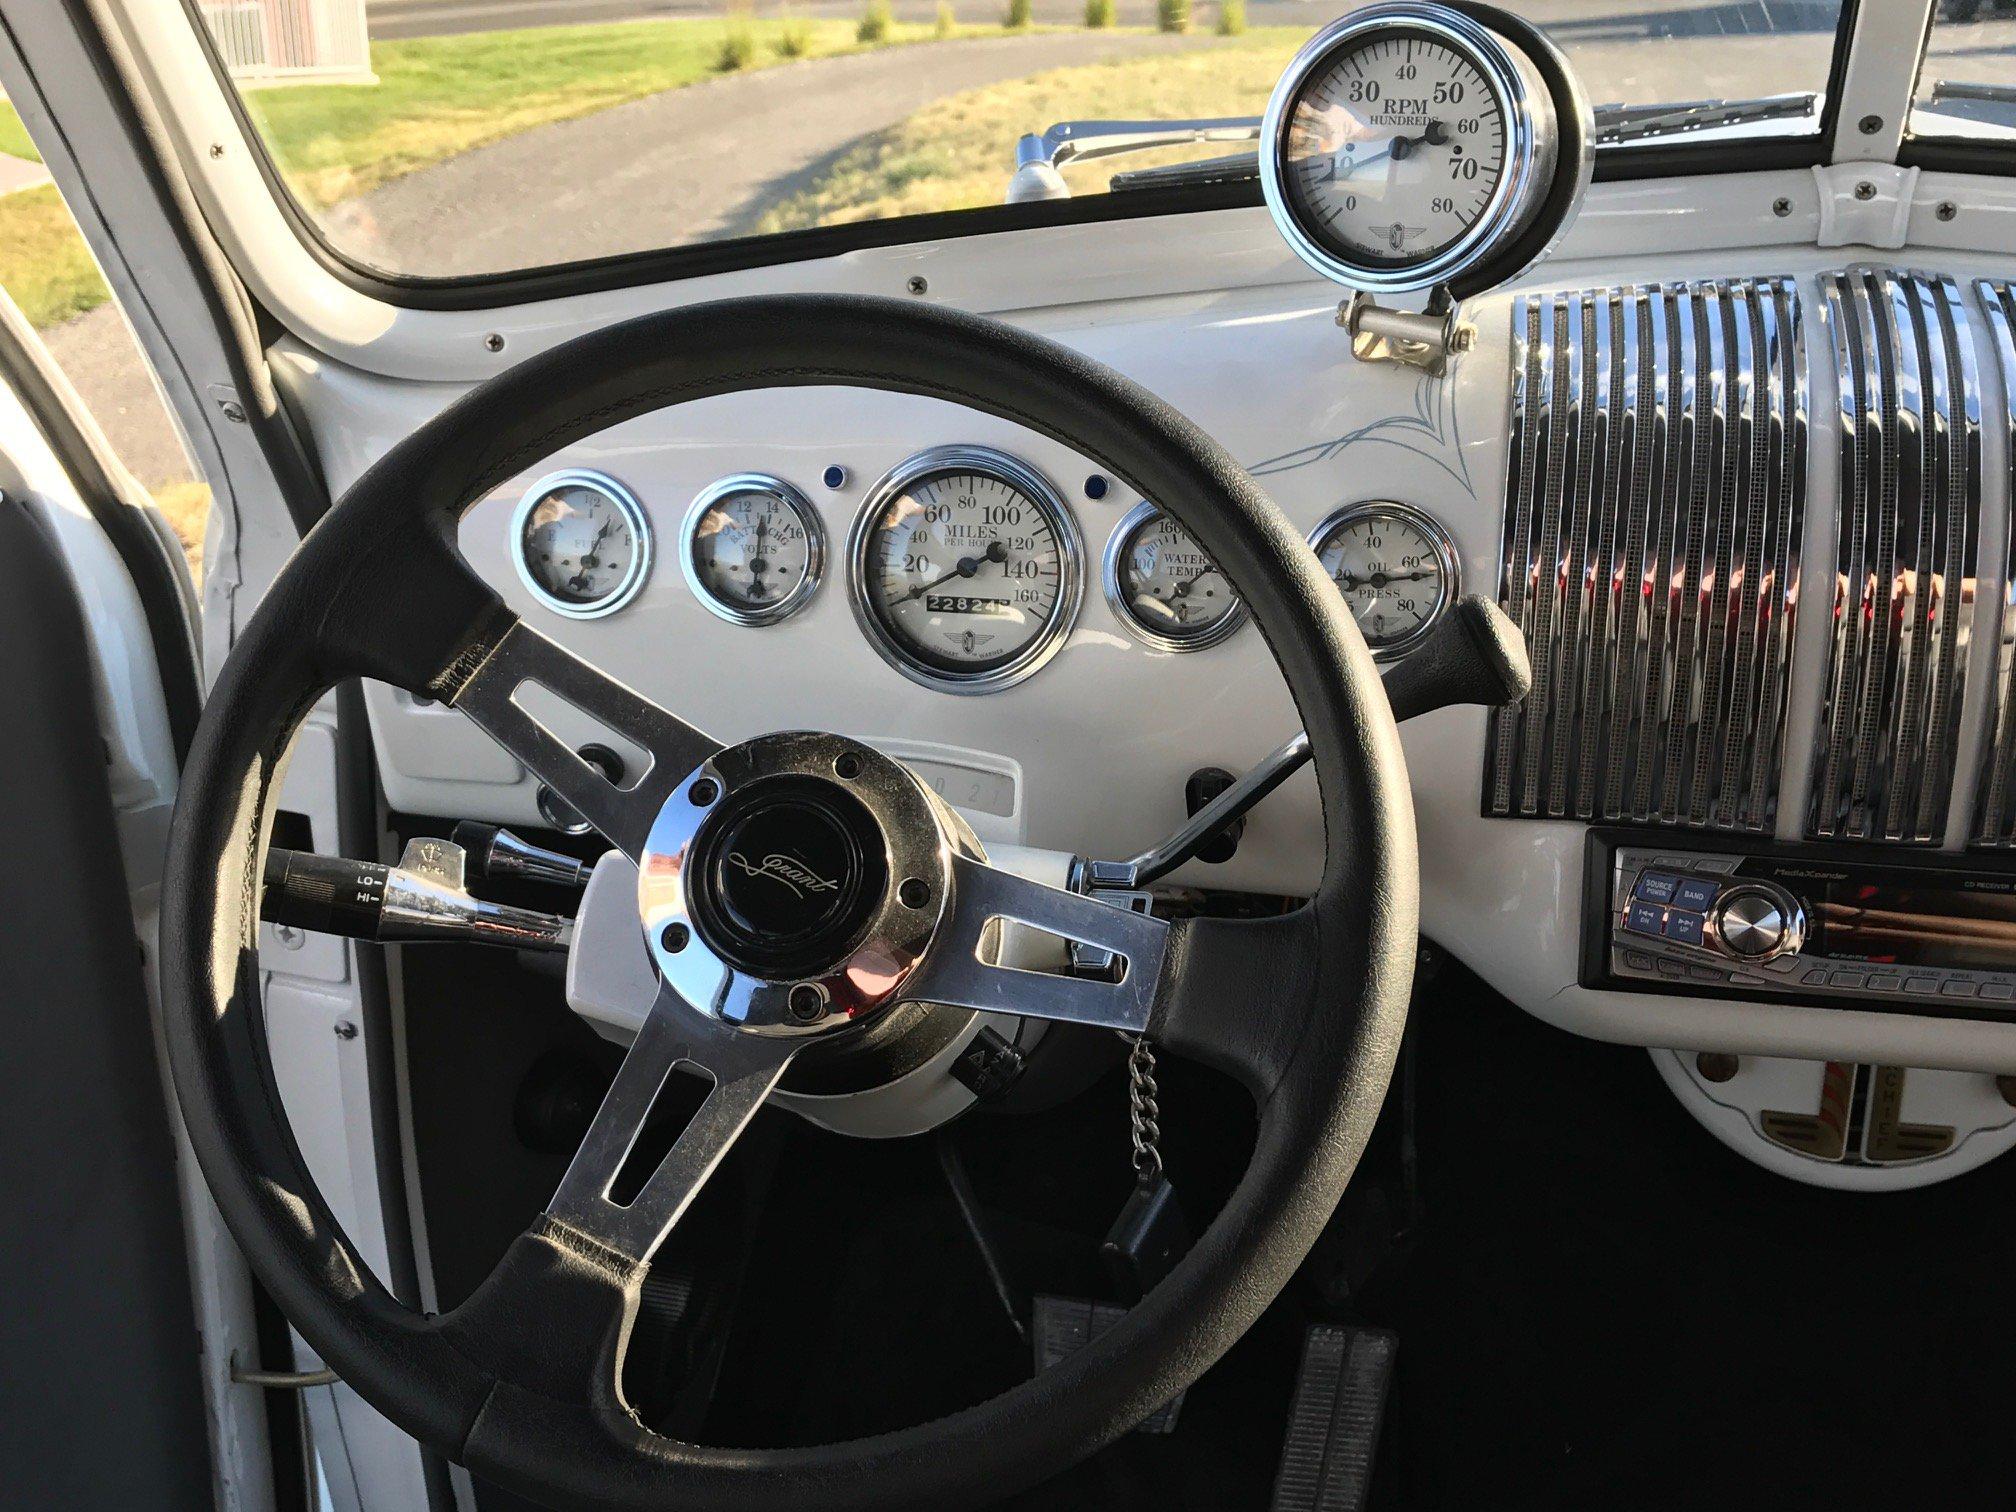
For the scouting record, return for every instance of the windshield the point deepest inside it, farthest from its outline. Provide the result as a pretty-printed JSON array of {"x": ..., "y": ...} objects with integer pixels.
[
  {"x": 424, "y": 143},
  {"x": 1967, "y": 82}
]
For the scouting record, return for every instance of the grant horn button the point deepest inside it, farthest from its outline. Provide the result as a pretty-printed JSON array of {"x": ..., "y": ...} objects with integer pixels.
[{"x": 787, "y": 876}]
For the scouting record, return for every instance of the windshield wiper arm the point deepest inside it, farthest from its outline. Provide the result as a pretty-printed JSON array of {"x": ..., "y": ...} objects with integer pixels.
[
  {"x": 1945, "y": 90},
  {"x": 1618, "y": 124},
  {"x": 1038, "y": 157}
]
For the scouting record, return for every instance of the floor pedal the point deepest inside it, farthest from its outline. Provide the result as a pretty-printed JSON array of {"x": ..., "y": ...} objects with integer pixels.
[
  {"x": 1064, "y": 1325},
  {"x": 1333, "y": 1425}
]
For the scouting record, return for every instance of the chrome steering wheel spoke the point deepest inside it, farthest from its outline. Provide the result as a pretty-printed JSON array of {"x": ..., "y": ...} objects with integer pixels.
[
  {"x": 743, "y": 1068},
  {"x": 964, "y": 966},
  {"x": 623, "y": 812}
]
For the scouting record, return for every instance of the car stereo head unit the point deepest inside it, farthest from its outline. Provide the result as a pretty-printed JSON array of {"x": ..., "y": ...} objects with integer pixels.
[{"x": 1924, "y": 934}]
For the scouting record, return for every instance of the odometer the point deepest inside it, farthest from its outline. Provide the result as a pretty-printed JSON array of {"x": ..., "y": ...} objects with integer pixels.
[{"x": 965, "y": 569}]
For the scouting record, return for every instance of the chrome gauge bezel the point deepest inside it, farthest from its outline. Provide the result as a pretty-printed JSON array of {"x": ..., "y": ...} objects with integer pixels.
[
  {"x": 1445, "y": 556},
  {"x": 1531, "y": 146},
  {"x": 633, "y": 515},
  {"x": 1016, "y": 474},
  {"x": 1114, "y": 563},
  {"x": 815, "y": 547}
]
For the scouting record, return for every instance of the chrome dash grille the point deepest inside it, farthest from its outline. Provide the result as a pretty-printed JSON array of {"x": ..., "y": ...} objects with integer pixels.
[
  {"x": 1995, "y": 810},
  {"x": 1655, "y": 487},
  {"x": 1910, "y": 506}
]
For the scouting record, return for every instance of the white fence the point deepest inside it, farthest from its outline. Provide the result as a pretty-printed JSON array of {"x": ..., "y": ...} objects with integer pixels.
[{"x": 274, "y": 40}]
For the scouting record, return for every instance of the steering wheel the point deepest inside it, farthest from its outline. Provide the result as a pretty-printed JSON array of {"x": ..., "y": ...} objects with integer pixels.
[{"x": 522, "y": 1382}]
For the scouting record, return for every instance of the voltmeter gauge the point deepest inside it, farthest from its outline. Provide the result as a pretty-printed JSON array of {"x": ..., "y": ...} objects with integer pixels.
[
  {"x": 1164, "y": 587},
  {"x": 581, "y": 543},
  {"x": 1395, "y": 567},
  {"x": 1409, "y": 145},
  {"x": 753, "y": 549},
  {"x": 965, "y": 568}
]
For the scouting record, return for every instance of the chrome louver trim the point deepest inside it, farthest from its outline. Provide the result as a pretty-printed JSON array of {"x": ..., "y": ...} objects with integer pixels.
[
  {"x": 1655, "y": 491},
  {"x": 1995, "y": 813},
  {"x": 1910, "y": 508}
]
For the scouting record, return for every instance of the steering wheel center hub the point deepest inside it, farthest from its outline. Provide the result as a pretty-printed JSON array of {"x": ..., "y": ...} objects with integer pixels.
[{"x": 791, "y": 884}]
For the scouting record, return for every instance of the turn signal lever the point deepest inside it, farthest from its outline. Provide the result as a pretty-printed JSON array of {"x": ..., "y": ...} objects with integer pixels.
[
  {"x": 422, "y": 898},
  {"x": 1475, "y": 656}
]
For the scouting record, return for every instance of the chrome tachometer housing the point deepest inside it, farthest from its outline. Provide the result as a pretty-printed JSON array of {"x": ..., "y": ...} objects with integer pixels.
[{"x": 1495, "y": 245}]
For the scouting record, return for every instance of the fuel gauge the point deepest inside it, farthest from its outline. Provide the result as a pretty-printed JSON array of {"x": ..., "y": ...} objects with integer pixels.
[
  {"x": 581, "y": 543},
  {"x": 753, "y": 549}
]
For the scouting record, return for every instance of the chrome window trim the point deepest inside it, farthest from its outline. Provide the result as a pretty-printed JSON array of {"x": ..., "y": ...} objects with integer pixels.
[
  {"x": 1909, "y": 434},
  {"x": 1071, "y": 567},
  {"x": 815, "y": 547},
  {"x": 1438, "y": 537},
  {"x": 1657, "y": 436},
  {"x": 1116, "y": 594},
  {"x": 1529, "y": 126},
  {"x": 626, "y": 505}
]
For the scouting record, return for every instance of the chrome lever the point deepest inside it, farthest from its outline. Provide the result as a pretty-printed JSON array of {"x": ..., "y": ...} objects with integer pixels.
[{"x": 422, "y": 898}]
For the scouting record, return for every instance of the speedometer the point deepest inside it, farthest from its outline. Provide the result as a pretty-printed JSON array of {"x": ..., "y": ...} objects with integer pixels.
[
  {"x": 965, "y": 569},
  {"x": 1407, "y": 144}
]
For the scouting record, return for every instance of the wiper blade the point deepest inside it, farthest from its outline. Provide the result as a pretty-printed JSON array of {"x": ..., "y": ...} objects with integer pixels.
[
  {"x": 1619, "y": 124},
  {"x": 1945, "y": 90}
]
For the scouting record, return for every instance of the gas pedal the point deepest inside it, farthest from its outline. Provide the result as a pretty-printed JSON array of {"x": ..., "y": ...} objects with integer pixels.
[
  {"x": 1065, "y": 1325},
  {"x": 1333, "y": 1425}
]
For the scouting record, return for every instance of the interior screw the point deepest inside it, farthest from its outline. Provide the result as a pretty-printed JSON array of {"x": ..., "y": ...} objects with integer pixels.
[
  {"x": 1781, "y": 207},
  {"x": 1947, "y": 210},
  {"x": 918, "y": 284},
  {"x": 1865, "y": 190},
  {"x": 216, "y": 149},
  {"x": 806, "y": 1003},
  {"x": 1715, "y": 1066},
  {"x": 914, "y": 892},
  {"x": 231, "y": 410},
  {"x": 494, "y": 342},
  {"x": 848, "y": 766},
  {"x": 703, "y": 792},
  {"x": 675, "y": 937},
  {"x": 345, "y": 1030},
  {"x": 1869, "y": 125}
]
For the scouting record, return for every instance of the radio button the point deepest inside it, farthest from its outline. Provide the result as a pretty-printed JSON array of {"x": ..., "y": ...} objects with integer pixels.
[
  {"x": 2000, "y": 992},
  {"x": 1645, "y": 919},
  {"x": 1755, "y": 925},
  {"x": 1695, "y": 893},
  {"x": 1657, "y": 887},
  {"x": 1684, "y": 927},
  {"x": 1848, "y": 979},
  {"x": 1880, "y": 983},
  {"x": 1922, "y": 986},
  {"x": 1958, "y": 989}
]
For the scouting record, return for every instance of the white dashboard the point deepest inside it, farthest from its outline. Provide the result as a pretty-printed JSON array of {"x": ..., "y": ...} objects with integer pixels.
[{"x": 1091, "y": 753}]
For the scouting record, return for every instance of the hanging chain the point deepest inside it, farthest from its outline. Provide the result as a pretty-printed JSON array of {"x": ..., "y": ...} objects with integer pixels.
[{"x": 1142, "y": 1111}]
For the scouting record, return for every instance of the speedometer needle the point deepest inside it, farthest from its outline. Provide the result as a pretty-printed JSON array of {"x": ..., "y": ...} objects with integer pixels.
[{"x": 968, "y": 567}]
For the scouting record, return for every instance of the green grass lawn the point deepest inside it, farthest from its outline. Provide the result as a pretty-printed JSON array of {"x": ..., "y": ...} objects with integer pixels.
[
  {"x": 957, "y": 151},
  {"x": 14, "y": 136},
  {"x": 435, "y": 97}
]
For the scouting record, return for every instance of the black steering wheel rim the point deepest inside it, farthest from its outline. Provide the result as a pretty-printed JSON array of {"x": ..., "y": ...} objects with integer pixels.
[{"x": 527, "y": 1400}]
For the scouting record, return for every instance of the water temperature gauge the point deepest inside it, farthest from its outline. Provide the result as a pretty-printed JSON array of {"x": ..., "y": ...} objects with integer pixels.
[
  {"x": 1163, "y": 586},
  {"x": 581, "y": 543},
  {"x": 753, "y": 549},
  {"x": 1395, "y": 567}
]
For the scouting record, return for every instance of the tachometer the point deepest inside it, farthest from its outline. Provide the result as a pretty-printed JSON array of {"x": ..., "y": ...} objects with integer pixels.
[
  {"x": 965, "y": 569},
  {"x": 1407, "y": 143},
  {"x": 1165, "y": 588},
  {"x": 581, "y": 543},
  {"x": 1395, "y": 567},
  {"x": 753, "y": 549}
]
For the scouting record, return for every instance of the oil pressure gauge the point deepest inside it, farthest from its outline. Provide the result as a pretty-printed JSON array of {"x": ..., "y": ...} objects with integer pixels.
[
  {"x": 753, "y": 549},
  {"x": 1163, "y": 586},
  {"x": 581, "y": 543},
  {"x": 1395, "y": 567}
]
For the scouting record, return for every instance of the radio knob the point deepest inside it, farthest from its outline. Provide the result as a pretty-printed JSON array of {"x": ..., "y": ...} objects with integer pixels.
[{"x": 1754, "y": 924}]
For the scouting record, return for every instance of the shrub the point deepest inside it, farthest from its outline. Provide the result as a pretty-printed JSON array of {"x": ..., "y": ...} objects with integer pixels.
[
  {"x": 1231, "y": 17},
  {"x": 1098, "y": 13},
  {"x": 1021, "y": 15},
  {"x": 877, "y": 21},
  {"x": 737, "y": 50},
  {"x": 947, "y": 21},
  {"x": 793, "y": 38},
  {"x": 1172, "y": 15}
]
